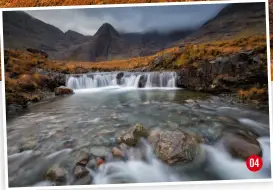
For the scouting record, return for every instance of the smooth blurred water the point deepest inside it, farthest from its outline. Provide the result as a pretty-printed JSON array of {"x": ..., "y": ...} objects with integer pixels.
[{"x": 100, "y": 114}]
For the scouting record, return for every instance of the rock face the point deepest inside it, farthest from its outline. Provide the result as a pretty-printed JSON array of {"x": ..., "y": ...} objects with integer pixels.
[
  {"x": 133, "y": 134},
  {"x": 63, "y": 91},
  {"x": 119, "y": 77},
  {"x": 142, "y": 81},
  {"x": 225, "y": 74},
  {"x": 177, "y": 147},
  {"x": 41, "y": 52}
]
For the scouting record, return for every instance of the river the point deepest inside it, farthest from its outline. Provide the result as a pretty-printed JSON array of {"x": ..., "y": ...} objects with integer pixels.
[{"x": 100, "y": 110}]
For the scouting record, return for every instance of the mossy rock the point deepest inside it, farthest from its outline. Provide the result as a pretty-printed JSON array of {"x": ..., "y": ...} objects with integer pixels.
[
  {"x": 133, "y": 134},
  {"x": 63, "y": 91}
]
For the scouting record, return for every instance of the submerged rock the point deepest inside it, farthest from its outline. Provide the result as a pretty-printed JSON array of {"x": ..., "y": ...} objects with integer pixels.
[
  {"x": 100, "y": 151},
  {"x": 63, "y": 91},
  {"x": 133, "y": 134},
  {"x": 28, "y": 145},
  {"x": 241, "y": 145}
]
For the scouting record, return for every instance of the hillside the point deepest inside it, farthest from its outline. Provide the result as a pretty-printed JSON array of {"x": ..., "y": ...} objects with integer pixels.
[
  {"x": 238, "y": 20},
  {"x": 23, "y": 31}
]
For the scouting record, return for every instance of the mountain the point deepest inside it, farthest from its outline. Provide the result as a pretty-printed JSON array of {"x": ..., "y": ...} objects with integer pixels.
[
  {"x": 106, "y": 43},
  {"x": 23, "y": 31},
  {"x": 239, "y": 19}
]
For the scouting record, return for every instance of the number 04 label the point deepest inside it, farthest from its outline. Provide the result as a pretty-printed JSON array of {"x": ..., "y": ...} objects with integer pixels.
[{"x": 254, "y": 163}]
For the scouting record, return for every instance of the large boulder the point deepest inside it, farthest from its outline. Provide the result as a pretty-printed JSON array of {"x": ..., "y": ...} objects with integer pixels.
[
  {"x": 175, "y": 147},
  {"x": 133, "y": 134},
  {"x": 63, "y": 91},
  {"x": 241, "y": 145}
]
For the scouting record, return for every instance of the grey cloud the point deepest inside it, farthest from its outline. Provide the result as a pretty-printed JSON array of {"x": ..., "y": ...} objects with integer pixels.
[{"x": 129, "y": 19}]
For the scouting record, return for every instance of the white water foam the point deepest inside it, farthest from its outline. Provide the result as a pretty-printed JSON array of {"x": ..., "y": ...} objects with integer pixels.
[
  {"x": 129, "y": 79},
  {"x": 147, "y": 168},
  {"x": 226, "y": 167}
]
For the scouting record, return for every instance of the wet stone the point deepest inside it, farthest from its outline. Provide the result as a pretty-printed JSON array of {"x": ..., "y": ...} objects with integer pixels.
[
  {"x": 133, "y": 134},
  {"x": 241, "y": 145},
  {"x": 80, "y": 172},
  {"x": 82, "y": 157},
  {"x": 56, "y": 174}
]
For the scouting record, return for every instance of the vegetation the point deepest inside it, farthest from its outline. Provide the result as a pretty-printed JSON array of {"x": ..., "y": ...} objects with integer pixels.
[
  {"x": 195, "y": 53},
  {"x": 39, "y": 3},
  {"x": 252, "y": 94}
]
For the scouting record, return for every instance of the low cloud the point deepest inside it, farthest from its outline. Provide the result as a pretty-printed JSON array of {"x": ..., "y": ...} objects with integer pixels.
[{"x": 130, "y": 19}]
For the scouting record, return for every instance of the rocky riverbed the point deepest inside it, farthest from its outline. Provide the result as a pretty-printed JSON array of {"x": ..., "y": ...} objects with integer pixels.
[{"x": 46, "y": 142}]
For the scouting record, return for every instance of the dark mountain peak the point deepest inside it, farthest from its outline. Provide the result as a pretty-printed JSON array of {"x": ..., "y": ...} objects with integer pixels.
[
  {"x": 73, "y": 36},
  {"x": 106, "y": 24},
  {"x": 107, "y": 30},
  {"x": 72, "y": 32}
]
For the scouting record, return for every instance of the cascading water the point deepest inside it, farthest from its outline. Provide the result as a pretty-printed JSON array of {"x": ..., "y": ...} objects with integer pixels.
[{"x": 127, "y": 79}]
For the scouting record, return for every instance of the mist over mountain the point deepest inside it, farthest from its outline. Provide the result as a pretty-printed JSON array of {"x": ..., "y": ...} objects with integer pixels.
[{"x": 21, "y": 31}]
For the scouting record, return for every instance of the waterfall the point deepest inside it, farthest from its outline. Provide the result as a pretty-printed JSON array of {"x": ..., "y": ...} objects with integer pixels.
[{"x": 123, "y": 79}]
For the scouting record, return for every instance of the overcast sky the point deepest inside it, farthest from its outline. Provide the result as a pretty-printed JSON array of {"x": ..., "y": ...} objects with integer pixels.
[{"x": 129, "y": 19}]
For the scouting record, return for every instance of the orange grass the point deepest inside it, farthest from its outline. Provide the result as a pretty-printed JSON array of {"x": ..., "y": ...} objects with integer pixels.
[
  {"x": 253, "y": 93},
  {"x": 38, "y": 3}
]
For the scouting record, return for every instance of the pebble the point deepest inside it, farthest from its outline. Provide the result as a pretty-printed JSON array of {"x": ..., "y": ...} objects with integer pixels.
[{"x": 80, "y": 171}]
